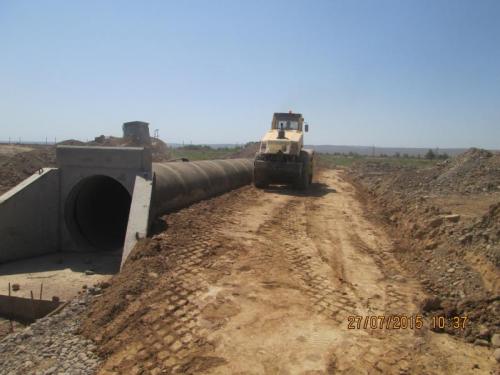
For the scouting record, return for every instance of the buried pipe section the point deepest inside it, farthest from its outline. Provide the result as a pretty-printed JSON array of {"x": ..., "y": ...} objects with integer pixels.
[{"x": 179, "y": 184}]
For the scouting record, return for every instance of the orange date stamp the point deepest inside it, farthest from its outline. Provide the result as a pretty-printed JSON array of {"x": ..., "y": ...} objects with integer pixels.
[{"x": 413, "y": 322}]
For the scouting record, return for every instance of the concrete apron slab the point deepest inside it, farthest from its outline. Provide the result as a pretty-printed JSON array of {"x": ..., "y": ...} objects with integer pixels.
[{"x": 29, "y": 217}]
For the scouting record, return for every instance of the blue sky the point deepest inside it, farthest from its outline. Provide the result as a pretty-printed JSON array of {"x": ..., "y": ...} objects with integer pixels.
[{"x": 387, "y": 73}]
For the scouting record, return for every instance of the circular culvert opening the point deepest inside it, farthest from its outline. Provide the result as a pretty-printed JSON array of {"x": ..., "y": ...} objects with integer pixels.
[{"x": 97, "y": 212}]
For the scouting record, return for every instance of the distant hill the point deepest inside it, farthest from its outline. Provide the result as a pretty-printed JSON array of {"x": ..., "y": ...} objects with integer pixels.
[
  {"x": 361, "y": 150},
  {"x": 212, "y": 145},
  {"x": 328, "y": 149},
  {"x": 370, "y": 150}
]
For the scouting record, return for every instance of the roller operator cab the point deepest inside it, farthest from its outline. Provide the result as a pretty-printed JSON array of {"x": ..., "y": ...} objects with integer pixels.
[{"x": 282, "y": 158}]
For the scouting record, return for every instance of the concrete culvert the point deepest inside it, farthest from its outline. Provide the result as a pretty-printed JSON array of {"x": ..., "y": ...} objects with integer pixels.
[
  {"x": 97, "y": 212},
  {"x": 181, "y": 184}
]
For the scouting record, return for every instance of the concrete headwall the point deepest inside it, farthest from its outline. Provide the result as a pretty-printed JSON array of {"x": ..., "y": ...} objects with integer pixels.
[
  {"x": 79, "y": 163},
  {"x": 29, "y": 217}
]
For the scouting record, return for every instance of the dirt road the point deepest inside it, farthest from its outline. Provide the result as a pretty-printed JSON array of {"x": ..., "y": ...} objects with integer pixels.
[{"x": 265, "y": 284}]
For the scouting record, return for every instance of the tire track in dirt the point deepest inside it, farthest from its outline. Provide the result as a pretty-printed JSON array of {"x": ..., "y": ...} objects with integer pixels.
[
  {"x": 266, "y": 284},
  {"x": 327, "y": 296},
  {"x": 319, "y": 263},
  {"x": 159, "y": 330},
  {"x": 169, "y": 332},
  {"x": 327, "y": 293}
]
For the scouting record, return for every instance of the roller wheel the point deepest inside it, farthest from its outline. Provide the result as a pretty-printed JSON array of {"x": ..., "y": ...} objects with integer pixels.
[
  {"x": 305, "y": 177},
  {"x": 260, "y": 182}
]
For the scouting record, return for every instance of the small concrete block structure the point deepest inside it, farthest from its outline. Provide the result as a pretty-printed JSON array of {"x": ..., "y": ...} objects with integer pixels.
[
  {"x": 26, "y": 310},
  {"x": 137, "y": 133}
]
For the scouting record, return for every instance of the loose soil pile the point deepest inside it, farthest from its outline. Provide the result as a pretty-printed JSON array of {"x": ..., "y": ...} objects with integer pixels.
[
  {"x": 159, "y": 148},
  {"x": 447, "y": 222}
]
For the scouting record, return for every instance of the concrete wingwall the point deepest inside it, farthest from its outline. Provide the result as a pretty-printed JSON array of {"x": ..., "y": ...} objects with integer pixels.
[
  {"x": 29, "y": 216},
  {"x": 140, "y": 216}
]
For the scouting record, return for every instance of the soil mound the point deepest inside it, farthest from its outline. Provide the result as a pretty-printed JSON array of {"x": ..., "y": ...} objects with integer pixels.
[
  {"x": 71, "y": 142},
  {"x": 446, "y": 221},
  {"x": 247, "y": 152},
  {"x": 159, "y": 148},
  {"x": 474, "y": 171},
  {"x": 16, "y": 168}
]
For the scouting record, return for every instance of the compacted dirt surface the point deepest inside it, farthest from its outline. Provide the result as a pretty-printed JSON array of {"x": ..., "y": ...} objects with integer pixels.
[{"x": 273, "y": 282}]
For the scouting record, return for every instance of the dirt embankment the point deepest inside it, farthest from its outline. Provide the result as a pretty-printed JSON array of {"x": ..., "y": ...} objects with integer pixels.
[
  {"x": 447, "y": 222},
  {"x": 152, "y": 296},
  {"x": 15, "y": 167},
  {"x": 159, "y": 149}
]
